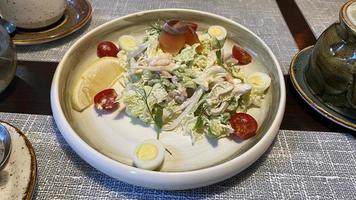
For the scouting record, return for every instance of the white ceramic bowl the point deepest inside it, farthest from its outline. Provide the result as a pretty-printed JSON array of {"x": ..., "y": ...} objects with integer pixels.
[{"x": 98, "y": 140}]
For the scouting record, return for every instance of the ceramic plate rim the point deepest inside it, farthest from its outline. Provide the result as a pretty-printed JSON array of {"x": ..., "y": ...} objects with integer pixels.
[
  {"x": 309, "y": 101},
  {"x": 176, "y": 180},
  {"x": 33, "y": 176}
]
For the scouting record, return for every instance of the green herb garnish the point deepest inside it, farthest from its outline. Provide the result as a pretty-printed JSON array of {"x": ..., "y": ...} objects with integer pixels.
[
  {"x": 158, "y": 25},
  {"x": 156, "y": 113},
  {"x": 219, "y": 59},
  {"x": 199, "y": 124},
  {"x": 158, "y": 118},
  {"x": 216, "y": 44}
]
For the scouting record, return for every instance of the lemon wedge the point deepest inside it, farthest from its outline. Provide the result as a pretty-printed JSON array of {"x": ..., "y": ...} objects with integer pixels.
[
  {"x": 127, "y": 42},
  {"x": 100, "y": 75}
]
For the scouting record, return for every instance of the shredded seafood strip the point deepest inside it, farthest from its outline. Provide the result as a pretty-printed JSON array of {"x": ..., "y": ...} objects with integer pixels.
[{"x": 191, "y": 104}]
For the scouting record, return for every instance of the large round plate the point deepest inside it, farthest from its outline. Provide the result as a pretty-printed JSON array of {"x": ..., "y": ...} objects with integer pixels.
[{"x": 107, "y": 142}]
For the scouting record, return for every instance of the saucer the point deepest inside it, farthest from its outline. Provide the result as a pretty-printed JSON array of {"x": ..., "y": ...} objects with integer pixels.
[
  {"x": 76, "y": 15},
  {"x": 297, "y": 70},
  {"x": 18, "y": 178}
]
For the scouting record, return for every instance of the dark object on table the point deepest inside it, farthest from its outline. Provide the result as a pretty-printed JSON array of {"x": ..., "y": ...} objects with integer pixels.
[
  {"x": 298, "y": 68},
  {"x": 10, "y": 27},
  {"x": 5, "y": 146},
  {"x": 331, "y": 72},
  {"x": 7, "y": 59}
]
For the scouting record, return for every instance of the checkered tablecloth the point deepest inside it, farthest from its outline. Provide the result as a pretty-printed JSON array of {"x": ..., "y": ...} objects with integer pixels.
[
  {"x": 298, "y": 165},
  {"x": 261, "y": 16}
]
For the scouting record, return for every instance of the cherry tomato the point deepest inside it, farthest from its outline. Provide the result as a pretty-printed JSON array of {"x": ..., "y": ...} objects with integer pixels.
[
  {"x": 106, "y": 100},
  {"x": 241, "y": 55},
  {"x": 245, "y": 125},
  {"x": 107, "y": 48}
]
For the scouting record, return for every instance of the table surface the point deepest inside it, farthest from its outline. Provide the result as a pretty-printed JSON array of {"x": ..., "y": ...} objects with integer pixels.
[{"x": 287, "y": 25}]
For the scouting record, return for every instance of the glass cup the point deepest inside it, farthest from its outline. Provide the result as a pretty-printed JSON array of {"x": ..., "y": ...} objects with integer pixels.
[{"x": 8, "y": 59}]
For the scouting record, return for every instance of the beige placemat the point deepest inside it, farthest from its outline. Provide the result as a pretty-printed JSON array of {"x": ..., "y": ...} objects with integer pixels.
[
  {"x": 298, "y": 165},
  {"x": 261, "y": 16},
  {"x": 320, "y": 14}
]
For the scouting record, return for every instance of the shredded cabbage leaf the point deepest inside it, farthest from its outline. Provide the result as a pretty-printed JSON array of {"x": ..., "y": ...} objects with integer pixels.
[{"x": 196, "y": 92}]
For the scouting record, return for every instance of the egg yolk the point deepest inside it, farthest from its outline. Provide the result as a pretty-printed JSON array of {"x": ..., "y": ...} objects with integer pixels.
[
  {"x": 130, "y": 43},
  {"x": 127, "y": 42},
  {"x": 254, "y": 81},
  {"x": 147, "y": 152},
  {"x": 216, "y": 32}
]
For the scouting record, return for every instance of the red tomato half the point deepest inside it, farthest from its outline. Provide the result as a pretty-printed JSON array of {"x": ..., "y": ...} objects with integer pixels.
[
  {"x": 245, "y": 125},
  {"x": 107, "y": 48},
  {"x": 106, "y": 100},
  {"x": 241, "y": 55}
]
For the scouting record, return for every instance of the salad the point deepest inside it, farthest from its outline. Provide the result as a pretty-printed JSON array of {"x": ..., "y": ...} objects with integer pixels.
[{"x": 179, "y": 79}]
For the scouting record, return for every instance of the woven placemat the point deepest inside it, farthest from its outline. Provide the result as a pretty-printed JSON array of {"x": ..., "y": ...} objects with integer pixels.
[
  {"x": 320, "y": 14},
  {"x": 261, "y": 16},
  {"x": 298, "y": 165}
]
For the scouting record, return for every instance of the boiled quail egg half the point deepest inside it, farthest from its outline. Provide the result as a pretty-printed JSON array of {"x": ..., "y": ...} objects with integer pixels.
[
  {"x": 149, "y": 154},
  {"x": 128, "y": 43},
  {"x": 260, "y": 81},
  {"x": 218, "y": 32}
]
